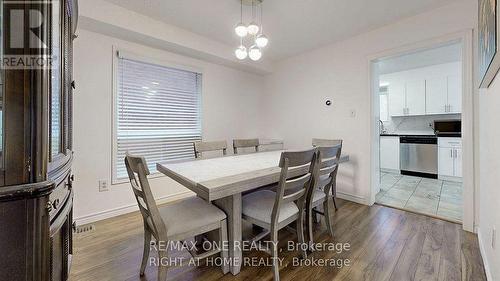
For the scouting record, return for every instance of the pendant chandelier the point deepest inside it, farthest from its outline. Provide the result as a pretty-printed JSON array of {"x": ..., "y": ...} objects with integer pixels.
[{"x": 253, "y": 33}]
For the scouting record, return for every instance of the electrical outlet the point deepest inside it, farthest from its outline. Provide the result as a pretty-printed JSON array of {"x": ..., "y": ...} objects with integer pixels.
[
  {"x": 493, "y": 237},
  {"x": 103, "y": 185}
]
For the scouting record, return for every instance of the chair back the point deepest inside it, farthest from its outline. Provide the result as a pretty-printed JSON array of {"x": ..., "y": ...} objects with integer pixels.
[
  {"x": 206, "y": 146},
  {"x": 138, "y": 171},
  {"x": 245, "y": 143},
  {"x": 297, "y": 169},
  {"x": 326, "y": 175},
  {"x": 325, "y": 142}
]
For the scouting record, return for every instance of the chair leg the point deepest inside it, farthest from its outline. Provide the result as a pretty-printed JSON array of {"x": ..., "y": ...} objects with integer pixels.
[
  {"x": 334, "y": 203},
  {"x": 316, "y": 217},
  {"x": 224, "y": 253},
  {"x": 145, "y": 253},
  {"x": 274, "y": 252},
  {"x": 162, "y": 270},
  {"x": 327, "y": 210},
  {"x": 309, "y": 224},
  {"x": 300, "y": 234}
]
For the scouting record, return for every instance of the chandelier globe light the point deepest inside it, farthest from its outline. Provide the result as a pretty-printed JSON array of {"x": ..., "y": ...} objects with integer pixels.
[
  {"x": 251, "y": 33},
  {"x": 261, "y": 41},
  {"x": 255, "y": 53},
  {"x": 241, "y": 30},
  {"x": 253, "y": 28},
  {"x": 241, "y": 52}
]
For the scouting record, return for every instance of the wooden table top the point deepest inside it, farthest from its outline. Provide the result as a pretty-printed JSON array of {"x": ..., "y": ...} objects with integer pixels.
[{"x": 216, "y": 178}]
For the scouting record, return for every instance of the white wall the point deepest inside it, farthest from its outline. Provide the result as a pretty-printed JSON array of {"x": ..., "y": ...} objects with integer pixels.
[
  {"x": 231, "y": 102},
  {"x": 297, "y": 90},
  {"x": 489, "y": 154}
]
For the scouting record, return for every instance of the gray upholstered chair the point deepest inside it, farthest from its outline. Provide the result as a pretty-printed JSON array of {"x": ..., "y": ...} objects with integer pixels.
[
  {"x": 325, "y": 142},
  {"x": 245, "y": 143},
  {"x": 324, "y": 182},
  {"x": 173, "y": 222},
  {"x": 207, "y": 146},
  {"x": 273, "y": 211}
]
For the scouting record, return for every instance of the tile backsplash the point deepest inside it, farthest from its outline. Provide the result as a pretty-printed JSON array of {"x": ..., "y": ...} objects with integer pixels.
[{"x": 415, "y": 123}]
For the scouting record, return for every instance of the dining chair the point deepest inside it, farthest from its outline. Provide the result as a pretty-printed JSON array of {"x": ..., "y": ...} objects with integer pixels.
[
  {"x": 245, "y": 143},
  {"x": 173, "y": 222},
  {"x": 325, "y": 142},
  {"x": 324, "y": 187},
  {"x": 329, "y": 143},
  {"x": 207, "y": 146},
  {"x": 273, "y": 211}
]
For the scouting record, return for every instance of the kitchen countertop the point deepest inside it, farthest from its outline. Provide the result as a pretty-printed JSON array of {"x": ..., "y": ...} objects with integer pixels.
[
  {"x": 409, "y": 133},
  {"x": 418, "y": 133}
]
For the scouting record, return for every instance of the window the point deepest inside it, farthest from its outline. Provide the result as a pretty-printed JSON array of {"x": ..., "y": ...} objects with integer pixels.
[
  {"x": 157, "y": 113},
  {"x": 384, "y": 104}
]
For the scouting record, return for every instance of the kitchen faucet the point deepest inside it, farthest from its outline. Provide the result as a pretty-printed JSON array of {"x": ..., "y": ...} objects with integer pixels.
[{"x": 382, "y": 128}]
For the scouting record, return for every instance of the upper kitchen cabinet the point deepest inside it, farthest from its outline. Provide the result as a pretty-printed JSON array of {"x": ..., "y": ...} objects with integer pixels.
[
  {"x": 415, "y": 97},
  {"x": 454, "y": 93},
  {"x": 429, "y": 90},
  {"x": 444, "y": 89},
  {"x": 397, "y": 98},
  {"x": 436, "y": 95},
  {"x": 406, "y": 97}
]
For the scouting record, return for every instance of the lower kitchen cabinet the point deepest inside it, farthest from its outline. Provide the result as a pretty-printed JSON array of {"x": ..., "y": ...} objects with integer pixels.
[
  {"x": 389, "y": 153},
  {"x": 450, "y": 157}
]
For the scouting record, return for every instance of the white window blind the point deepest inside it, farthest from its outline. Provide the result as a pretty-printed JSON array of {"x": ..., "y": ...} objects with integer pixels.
[{"x": 157, "y": 113}]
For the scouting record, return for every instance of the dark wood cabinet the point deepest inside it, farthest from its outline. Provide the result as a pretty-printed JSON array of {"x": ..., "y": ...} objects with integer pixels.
[{"x": 36, "y": 88}]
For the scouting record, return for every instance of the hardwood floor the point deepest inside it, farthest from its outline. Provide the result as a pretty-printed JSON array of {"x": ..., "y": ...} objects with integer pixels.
[{"x": 385, "y": 244}]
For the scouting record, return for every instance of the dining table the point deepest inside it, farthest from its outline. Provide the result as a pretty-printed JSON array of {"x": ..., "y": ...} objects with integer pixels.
[{"x": 223, "y": 180}]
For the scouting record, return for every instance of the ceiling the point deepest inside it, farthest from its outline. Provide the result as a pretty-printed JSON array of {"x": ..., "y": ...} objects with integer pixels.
[{"x": 293, "y": 26}]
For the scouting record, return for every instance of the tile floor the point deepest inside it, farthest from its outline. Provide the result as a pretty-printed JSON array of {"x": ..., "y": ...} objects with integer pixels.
[{"x": 427, "y": 196}]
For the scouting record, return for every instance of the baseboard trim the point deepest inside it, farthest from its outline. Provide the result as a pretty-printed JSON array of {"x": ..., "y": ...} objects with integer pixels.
[
  {"x": 166, "y": 199},
  {"x": 483, "y": 255},
  {"x": 128, "y": 209},
  {"x": 448, "y": 178},
  {"x": 386, "y": 170},
  {"x": 351, "y": 197}
]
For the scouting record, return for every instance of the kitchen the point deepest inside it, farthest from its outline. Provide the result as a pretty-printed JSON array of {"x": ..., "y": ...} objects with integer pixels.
[{"x": 420, "y": 132}]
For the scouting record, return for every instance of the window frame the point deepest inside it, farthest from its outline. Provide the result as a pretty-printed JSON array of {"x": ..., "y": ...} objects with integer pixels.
[{"x": 117, "y": 52}]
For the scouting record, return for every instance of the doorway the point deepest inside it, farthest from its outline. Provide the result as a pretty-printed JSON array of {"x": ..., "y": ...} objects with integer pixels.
[{"x": 422, "y": 129}]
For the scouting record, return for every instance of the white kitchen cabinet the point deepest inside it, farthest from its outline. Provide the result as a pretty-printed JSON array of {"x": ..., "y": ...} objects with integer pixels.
[
  {"x": 397, "y": 98},
  {"x": 436, "y": 97},
  {"x": 450, "y": 157},
  {"x": 429, "y": 90},
  {"x": 389, "y": 153},
  {"x": 446, "y": 162},
  {"x": 454, "y": 93},
  {"x": 458, "y": 162},
  {"x": 415, "y": 97}
]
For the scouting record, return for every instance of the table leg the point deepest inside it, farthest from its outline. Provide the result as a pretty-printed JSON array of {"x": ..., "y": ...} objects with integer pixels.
[{"x": 231, "y": 205}]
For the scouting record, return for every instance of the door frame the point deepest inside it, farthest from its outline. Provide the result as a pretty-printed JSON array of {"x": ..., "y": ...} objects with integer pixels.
[{"x": 465, "y": 38}]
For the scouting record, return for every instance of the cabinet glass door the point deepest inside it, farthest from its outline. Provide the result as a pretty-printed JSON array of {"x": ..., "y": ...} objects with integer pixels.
[
  {"x": 55, "y": 92},
  {"x": 2, "y": 79}
]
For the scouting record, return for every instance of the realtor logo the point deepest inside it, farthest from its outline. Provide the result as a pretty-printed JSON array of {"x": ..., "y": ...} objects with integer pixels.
[{"x": 25, "y": 45}]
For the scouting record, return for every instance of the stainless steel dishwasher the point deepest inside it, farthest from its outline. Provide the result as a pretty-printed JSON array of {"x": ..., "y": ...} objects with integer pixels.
[{"x": 419, "y": 156}]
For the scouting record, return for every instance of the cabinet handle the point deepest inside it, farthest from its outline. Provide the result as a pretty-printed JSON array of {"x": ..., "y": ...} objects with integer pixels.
[
  {"x": 451, "y": 153},
  {"x": 49, "y": 206},
  {"x": 55, "y": 205}
]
